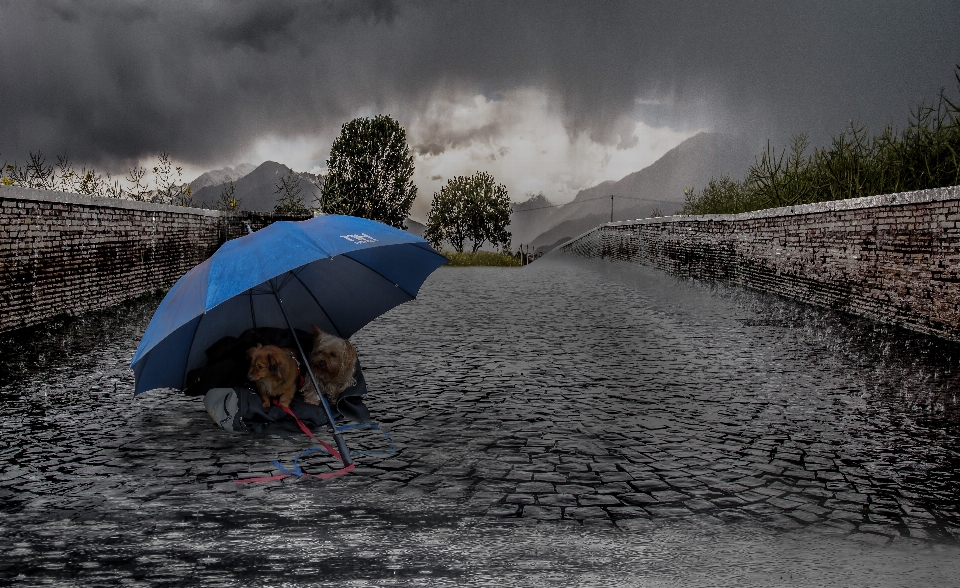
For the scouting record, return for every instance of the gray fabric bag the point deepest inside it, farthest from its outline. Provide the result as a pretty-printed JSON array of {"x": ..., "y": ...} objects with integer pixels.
[{"x": 238, "y": 409}]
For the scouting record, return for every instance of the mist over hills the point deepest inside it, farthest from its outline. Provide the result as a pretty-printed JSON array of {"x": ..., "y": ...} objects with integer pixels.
[
  {"x": 532, "y": 218},
  {"x": 537, "y": 222},
  {"x": 257, "y": 189},
  {"x": 657, "y": 188},
  {"x": 217, "y": 177}
]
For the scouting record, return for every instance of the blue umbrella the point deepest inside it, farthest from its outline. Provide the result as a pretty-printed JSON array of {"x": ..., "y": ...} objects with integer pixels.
[{"x": 337, "y": 272}]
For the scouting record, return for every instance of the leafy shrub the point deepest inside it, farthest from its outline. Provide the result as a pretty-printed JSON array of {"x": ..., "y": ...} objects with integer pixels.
[{"x": 926, "y": 154}]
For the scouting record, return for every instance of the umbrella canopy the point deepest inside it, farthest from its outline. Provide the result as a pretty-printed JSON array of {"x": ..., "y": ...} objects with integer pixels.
[{"x": 336, "y": 272}]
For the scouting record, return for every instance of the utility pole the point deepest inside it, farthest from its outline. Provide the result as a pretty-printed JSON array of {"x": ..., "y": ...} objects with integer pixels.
[{"x": 611, "y": 208}]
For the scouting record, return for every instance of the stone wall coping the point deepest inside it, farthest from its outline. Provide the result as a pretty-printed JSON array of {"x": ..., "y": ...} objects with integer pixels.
[
  {"x": 898, "y": 199},
  {"x": 35, "y": 195}
]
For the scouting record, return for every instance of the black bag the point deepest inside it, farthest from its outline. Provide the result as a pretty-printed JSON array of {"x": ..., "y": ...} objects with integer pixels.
[
  {"x": 239, "y": 409},
  {"x": 227, "y": 360},
  {"x": 233, "y": 403}
]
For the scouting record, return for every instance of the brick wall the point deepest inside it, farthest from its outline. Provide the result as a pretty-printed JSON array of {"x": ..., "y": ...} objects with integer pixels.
[
  {"x": 893, "y": 258},
  {"x": 66, "y": 254}
]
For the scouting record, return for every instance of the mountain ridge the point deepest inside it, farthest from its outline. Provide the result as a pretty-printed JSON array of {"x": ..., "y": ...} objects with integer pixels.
[
  {"x": 217, "y": 177},
  {"x": 257, "y": 190},
  {"x": 652, "y": 191}
]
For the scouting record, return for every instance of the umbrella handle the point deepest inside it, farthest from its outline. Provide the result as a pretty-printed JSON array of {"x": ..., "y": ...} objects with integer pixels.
[
  {"x": 337, "y": 437},
  {"x": 299, "y": 473}
]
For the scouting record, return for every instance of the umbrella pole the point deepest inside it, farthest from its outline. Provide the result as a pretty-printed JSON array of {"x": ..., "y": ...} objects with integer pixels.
[{"x": 341, "y": 444}]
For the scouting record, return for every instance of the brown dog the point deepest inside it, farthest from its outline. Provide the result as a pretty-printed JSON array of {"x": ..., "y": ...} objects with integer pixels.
[
  {"x": 332, "y": 362},
  {"x": 275, "y": 372}
]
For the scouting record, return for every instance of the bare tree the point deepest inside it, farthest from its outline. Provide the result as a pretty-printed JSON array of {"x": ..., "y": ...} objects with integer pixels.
[
  {"x": 36, "y": 174},
  {"x": 169, "y": 182},
  {"x": 290, "y": 201},
  {"x": 67, "y": 174},
  {"x": 228, "y": 198},
  {"x": 138, "y": 189}
]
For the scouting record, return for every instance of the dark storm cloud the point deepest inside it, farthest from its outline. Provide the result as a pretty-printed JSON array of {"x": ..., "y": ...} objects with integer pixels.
[{"x": 111, "y": 81}]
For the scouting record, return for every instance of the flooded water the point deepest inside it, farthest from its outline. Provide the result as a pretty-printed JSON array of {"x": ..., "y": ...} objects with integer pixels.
[{"x": 566, "y": 423}]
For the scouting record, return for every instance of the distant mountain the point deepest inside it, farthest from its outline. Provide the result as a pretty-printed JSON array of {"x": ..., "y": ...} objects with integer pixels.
[
  {"x": 257, "y": 190},
  {"x": 531, "y": 218},
  {"x": 221, "y": 176},
  {"x": 567, "y": 230},
  {"x": 656, "y": 189}
]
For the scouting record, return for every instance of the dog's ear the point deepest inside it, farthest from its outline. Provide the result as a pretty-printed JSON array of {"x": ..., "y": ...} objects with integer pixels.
[
  {"x": 348, "y": 361},
  {"x": 317, "y": 331},
  {"x": 273, "y": 363},
  {"x": 253, "y": 350}
]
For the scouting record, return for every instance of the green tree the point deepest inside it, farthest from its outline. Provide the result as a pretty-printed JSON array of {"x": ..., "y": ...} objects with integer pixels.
[
  {"x": 447, "y": 220},
  {"x": 370, "y": 172},
  {"x": 290, "y": 202},
  {"x": 473, "y": 208},
  {"x": 489, "y": 213}
]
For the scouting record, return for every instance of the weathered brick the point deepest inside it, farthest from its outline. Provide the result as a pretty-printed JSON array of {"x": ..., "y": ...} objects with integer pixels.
[
  {"x": 68, "y": 254},
  {"x": 883, "y": 257}
]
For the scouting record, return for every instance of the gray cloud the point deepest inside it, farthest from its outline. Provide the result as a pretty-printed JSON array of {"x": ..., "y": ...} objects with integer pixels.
[
  {"x": 108, "y": 82},
  {"x": 439, "y": 138}
]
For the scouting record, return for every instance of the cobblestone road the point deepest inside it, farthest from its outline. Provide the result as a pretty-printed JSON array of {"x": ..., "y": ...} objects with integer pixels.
[{"x": 565, "y": 423}]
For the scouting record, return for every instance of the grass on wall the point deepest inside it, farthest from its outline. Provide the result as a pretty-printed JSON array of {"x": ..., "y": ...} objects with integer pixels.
[{"x": 925, "y": 154}]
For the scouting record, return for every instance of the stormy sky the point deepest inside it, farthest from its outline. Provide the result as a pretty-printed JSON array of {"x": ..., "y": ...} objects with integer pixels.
[{"x": 549, "y": 96}]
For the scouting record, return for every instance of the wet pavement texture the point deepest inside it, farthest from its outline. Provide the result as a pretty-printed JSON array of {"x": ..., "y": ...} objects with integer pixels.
[{"x": 572, "y": 422}]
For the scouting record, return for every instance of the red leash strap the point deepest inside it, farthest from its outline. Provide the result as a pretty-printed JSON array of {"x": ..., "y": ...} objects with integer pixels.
[{"x": 309, "y": 433}]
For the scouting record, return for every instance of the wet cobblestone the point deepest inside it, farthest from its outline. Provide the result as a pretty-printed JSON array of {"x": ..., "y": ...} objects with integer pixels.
[{"x": 561, "y": 400}]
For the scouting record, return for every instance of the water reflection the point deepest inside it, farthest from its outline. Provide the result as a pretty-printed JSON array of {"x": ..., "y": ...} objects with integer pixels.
[
  {"x": 901, "y": 386},
  {"x": 567, "y": 423},
  {"x": 53, "y": 344}
]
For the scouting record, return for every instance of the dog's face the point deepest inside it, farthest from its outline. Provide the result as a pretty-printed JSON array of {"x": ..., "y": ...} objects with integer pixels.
[
  {"x": 332, "y": 355},
  {"x": 266, "y": 362}
]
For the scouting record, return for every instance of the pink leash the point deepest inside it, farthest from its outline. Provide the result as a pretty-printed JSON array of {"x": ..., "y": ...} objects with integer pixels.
[{"x": 298, "y": 473}]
